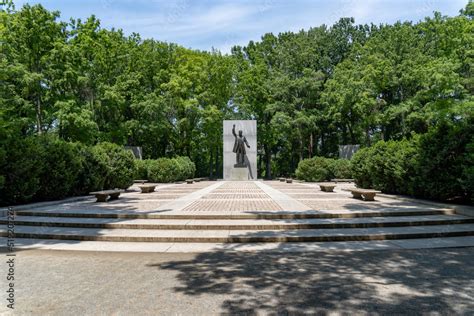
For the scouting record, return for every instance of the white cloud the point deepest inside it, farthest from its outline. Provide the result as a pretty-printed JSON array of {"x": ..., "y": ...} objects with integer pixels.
[{"x": 224, "y": 23}]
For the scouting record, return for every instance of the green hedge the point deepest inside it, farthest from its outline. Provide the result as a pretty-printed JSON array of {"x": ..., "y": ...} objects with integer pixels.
[
  {"x": 445, "y": 162},
  {"x": 314, "y": 169},
  {"x": 436, "y": 165},
  {"x": 46, "y": 168},
  {"x": 387, "y": 166},
  {"x": 120, "y": 165},
  {"x": 186, "y": 168},
  {"x": 322, "y": 169},
  {"x": 61, "y": 165},
  {"x": 165, "y": 169},
  {"x": 20, "y": 169},
  {"x": 141, "y": 169},
  {"x": 94, "y": 172},
  {"x": 340, "y": 169}
]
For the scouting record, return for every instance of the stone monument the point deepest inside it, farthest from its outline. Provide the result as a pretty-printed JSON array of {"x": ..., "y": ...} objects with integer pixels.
[
  {"x": 240, "y": 150},
  {"x": 347, "y": 151}
]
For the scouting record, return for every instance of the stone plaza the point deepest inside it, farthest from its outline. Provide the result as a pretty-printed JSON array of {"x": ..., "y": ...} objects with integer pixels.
[
  {"x": 243, "y": 247},
  {"x": 241, "y": 215}
]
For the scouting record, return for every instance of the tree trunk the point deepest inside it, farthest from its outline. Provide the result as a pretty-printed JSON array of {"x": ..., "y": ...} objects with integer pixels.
[
  {"x": 211, "y": 167},
  {"x": 268, "y": 162},
  {"x": 292, "y": 166},
  {"x": 322, "y": 149},
  {"x": 217, "y": 162},
  {"x": 39, "y": 118},
  {"x": 351, "y": 133},
  {"x": 344, "y": 134},
  {"x": 301, "y": 148},
  {"x": 310, "y": 147}
]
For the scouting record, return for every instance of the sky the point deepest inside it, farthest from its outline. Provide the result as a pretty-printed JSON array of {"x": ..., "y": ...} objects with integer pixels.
[{"x": 222, "y": 24}]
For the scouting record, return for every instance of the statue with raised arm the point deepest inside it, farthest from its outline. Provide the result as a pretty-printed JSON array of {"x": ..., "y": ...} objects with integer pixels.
[{"x": 239, "y": 149}]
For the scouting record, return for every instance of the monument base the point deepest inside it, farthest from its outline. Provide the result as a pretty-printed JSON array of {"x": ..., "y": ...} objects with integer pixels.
[{"x": 240, "y": 174}]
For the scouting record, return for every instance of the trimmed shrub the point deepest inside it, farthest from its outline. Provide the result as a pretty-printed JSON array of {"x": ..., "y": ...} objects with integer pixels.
[
  {"x": 93, "y": 174},
  {"x": 61, "y": 166},
  {"x": 162, "y": 170},
  {"x": 436, "y": 165},
  {"x": 340, "y": 169},
  {"x": 45, "y": 168},
  {"x": 314, "y": 169},
  {"x": 468, "y": 171},
  {"x": 186, "y": 168},
  {"x": 141, "y": 168},
  {"x": 120, "y": 165},
  {"x": 170, "y": 169},
  {"x": 20, "y": 169},
  {"x": 445, "y": 164},
  {"x": 386, "y": 166},
  {"x": 360, "y": 167}
]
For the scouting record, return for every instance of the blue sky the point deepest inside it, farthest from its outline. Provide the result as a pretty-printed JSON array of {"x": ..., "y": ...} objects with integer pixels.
[{"x": 222, "y": 24}]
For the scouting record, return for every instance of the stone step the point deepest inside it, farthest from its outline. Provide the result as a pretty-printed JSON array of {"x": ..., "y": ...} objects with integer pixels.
[
  {"x": 302, "y": 247},
  {"x": 241, "y": 236},
  {"x": 239, "y": 224},
  {"x": 127, "y": 214}
]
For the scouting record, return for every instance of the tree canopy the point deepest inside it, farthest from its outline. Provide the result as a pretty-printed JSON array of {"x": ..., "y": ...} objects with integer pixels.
[{"x": 310, "y": 91}]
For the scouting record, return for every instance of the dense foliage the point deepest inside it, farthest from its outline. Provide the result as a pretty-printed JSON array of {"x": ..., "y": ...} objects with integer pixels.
[
  {"x": 46, "y": 168},
  {"x": 165, "y": 169},
  {"x": 340, "y": 169},
  {"x": 314, "y": 169},
  {"x": 435, "y": 165},
  {"x": 323, "y": 169},
  {"x": 387, "y": 166},
  {"x": 310, "y": 91},
  {"x": 119, "y": 165}
]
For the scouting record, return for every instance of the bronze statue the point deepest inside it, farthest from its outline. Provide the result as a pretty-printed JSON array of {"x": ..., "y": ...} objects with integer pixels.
[{"x": 239, "y": 149}]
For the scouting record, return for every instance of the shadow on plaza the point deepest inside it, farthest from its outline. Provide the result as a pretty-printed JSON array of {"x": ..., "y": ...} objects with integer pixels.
[{"x": 376, "y": 282}]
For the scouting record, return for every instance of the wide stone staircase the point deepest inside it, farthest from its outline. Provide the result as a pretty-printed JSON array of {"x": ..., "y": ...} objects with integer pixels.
[{"x": 365, "y": 221}]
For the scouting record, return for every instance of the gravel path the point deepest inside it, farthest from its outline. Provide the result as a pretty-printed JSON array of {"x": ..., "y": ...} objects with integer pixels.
[{"x": 393, "y": 282}]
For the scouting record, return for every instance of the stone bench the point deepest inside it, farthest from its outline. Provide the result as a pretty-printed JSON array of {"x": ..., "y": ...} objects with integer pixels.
[
  {"x": 102, "y": 195},
  {"x": 189, "y": 181},
  {"x": 289, "y": 180},
  {"x": 147, "y": 188},
  {"x": 366, "y": 194},
  {"x": 327, "y": 187},
  {"x": 140, "y": 181},
  {"x": 342, "y": 180}
]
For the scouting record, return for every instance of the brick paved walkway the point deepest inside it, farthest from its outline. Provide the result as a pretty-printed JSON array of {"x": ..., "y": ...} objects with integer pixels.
[{"x": 234, "y": 196}]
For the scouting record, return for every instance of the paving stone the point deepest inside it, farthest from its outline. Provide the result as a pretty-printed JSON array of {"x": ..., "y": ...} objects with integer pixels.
[
  {"x": 236, "y": 196},
  {"x": 316, "y": 195},
  {"x": 233, "y": 205},
  {"x": 239, "y": 185},
  {"x": 284, "y": 201}
]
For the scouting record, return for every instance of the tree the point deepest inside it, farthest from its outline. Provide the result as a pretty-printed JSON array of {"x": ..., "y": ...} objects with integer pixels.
[{"x": 31, "y": 41}]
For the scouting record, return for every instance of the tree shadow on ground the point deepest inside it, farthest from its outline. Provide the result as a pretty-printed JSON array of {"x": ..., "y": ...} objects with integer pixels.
[{"x": 376, "y": 282}]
